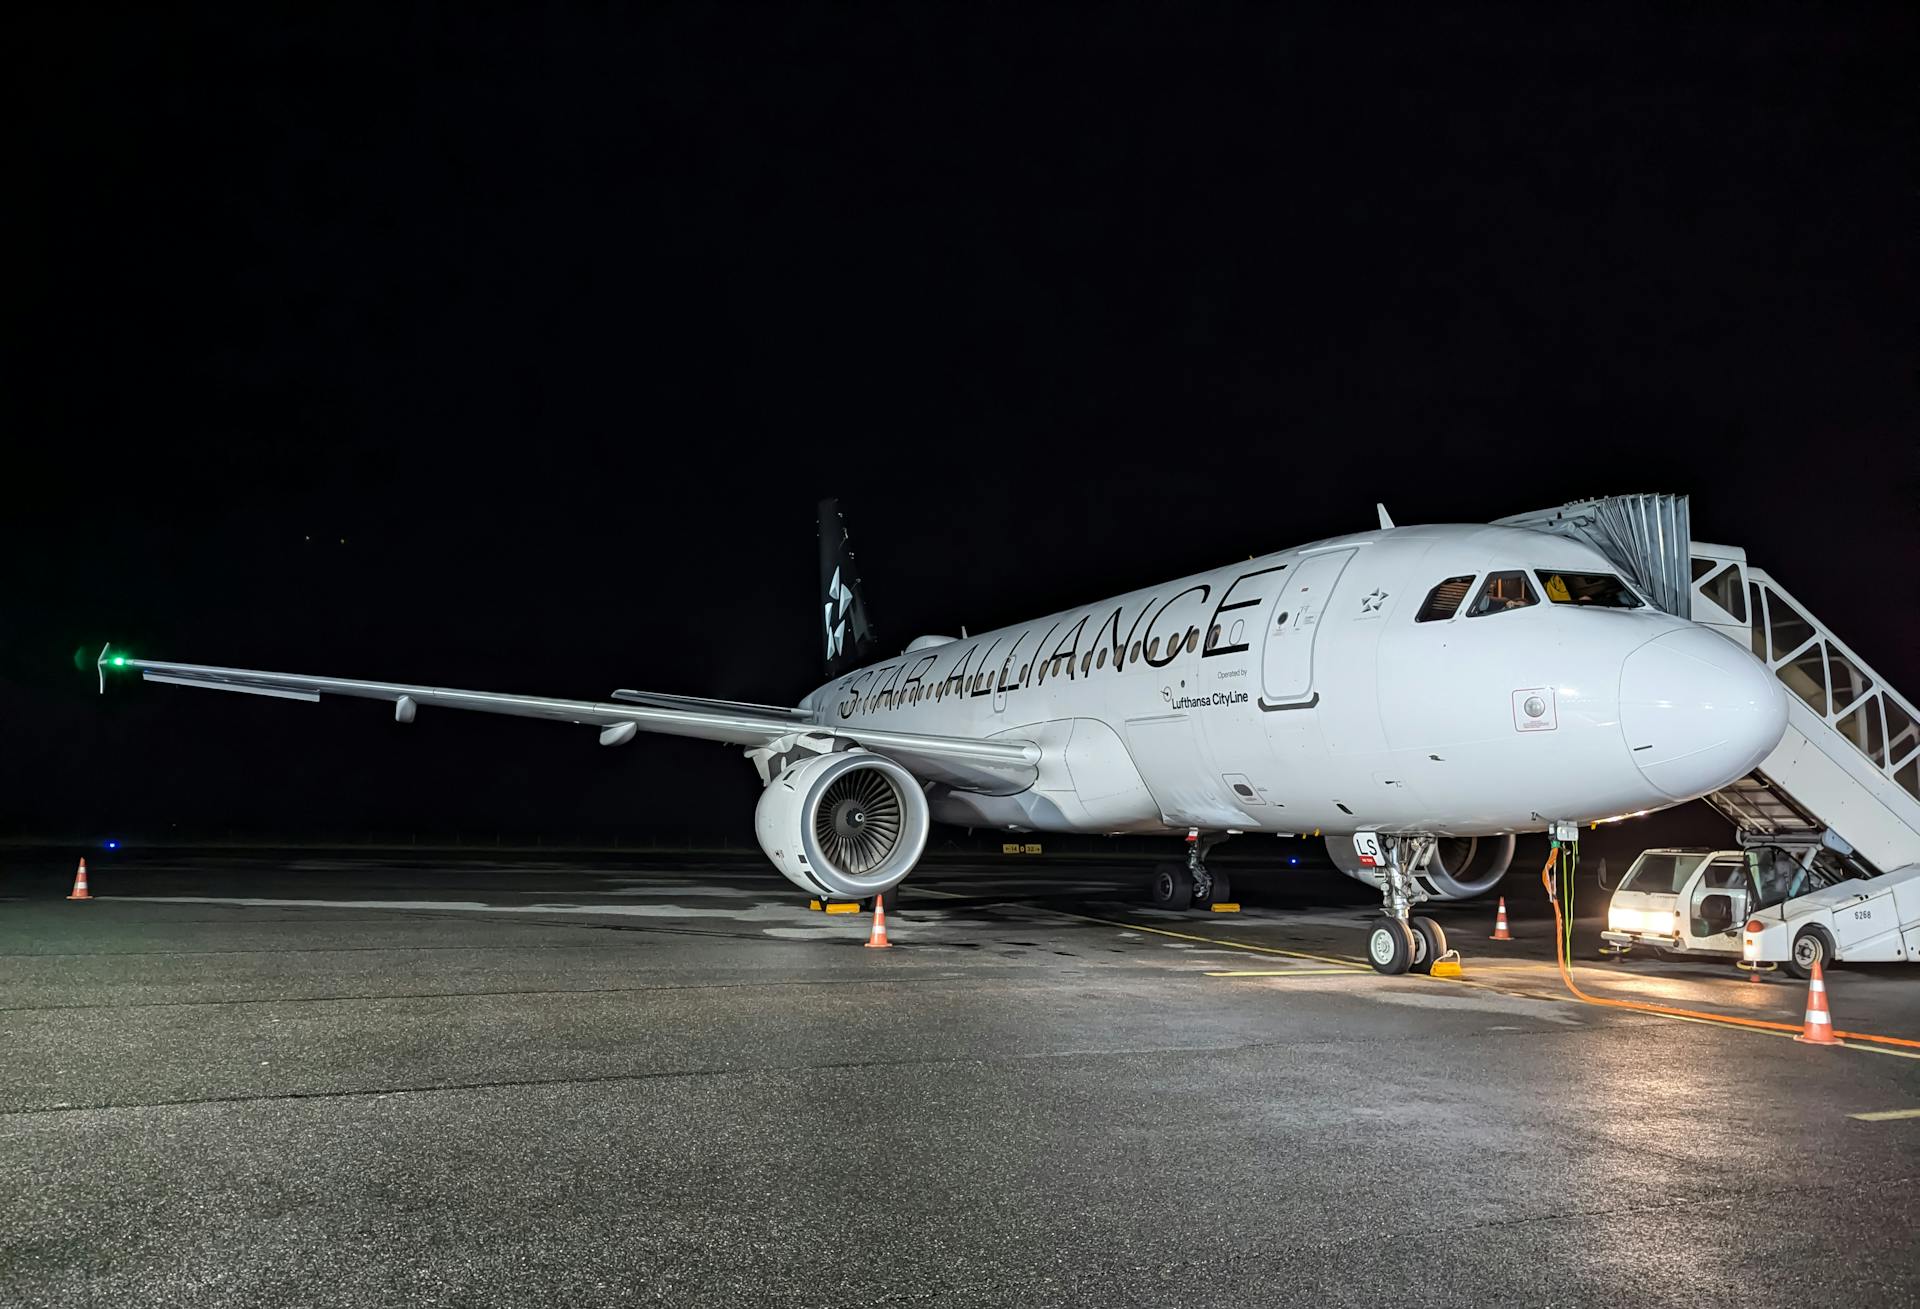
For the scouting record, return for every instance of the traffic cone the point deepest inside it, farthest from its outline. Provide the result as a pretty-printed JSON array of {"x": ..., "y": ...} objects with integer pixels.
[
  {"x": 1500, "y": 932},
  {"x": 1818, "y": 1029},
  {"x": 877, "y": 939},
  {"x": 80, "y": 884}
]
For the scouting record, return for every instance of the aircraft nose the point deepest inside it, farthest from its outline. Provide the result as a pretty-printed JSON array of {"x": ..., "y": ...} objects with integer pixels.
[{"x": 1698, "y": 712}]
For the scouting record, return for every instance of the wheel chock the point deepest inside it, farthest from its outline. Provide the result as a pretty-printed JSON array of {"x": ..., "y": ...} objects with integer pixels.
[
  {"x": 1447, "y": 965},
  {"x": 834, "y": 906},
  {"x": 1231, "y": 907}
]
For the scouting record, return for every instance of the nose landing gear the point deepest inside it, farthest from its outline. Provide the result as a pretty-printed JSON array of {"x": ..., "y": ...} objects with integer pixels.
[{"x": 1399, "y": 941}]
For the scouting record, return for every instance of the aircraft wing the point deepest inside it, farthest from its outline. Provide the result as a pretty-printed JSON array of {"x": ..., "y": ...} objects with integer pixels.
[{"x": 996, "y": 767}]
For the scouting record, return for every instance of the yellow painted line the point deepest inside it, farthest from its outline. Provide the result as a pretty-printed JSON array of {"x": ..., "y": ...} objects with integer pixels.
[
  {"x": 1351, "y": 965},
  {"x": 1881, "y": 1049},
  {"x": 1289, "y": 972},
  {"x": 1348, "y": 963},
  {"x": 1212, "y": 940},
  {"x": 1886, "y": 1115}
]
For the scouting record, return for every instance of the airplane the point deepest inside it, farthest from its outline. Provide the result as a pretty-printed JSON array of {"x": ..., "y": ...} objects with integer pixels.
[{"x": 1415, "y": 696}]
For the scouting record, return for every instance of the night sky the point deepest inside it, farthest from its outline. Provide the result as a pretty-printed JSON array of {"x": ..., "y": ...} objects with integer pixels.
[{"x": 512, "y": 352}]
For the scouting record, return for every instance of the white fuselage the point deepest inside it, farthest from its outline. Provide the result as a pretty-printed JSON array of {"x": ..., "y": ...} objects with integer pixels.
[{"x": 1297, "y": 692}]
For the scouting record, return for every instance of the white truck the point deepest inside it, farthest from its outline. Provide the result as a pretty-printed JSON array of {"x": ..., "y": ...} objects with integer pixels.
[{"x": 1766, "y": 904}]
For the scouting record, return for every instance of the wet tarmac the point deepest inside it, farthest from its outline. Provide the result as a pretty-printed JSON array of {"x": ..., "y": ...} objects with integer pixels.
[{"x": 367, "y": 1080}]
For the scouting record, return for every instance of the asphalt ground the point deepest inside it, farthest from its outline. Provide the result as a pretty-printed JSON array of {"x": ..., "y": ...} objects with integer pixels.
[{"x": 355, "y": 1081}]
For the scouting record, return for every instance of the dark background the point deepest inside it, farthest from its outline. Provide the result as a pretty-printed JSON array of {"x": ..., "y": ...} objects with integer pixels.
[{"x": 512, "y": 351}]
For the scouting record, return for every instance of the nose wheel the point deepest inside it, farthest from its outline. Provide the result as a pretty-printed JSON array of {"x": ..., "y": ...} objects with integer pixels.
[
  {"x": 1400, "y": 942},
  {"x": 1390, "y": 947}
]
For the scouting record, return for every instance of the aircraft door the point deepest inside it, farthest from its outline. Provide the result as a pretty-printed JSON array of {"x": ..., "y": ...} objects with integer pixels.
[{"x": 1293, "y": 624}]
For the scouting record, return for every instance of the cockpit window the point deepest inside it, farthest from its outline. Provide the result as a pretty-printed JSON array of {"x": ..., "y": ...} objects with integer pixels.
[
  {"x": 1592, "y": 590},
  {"x": 1443, "y": 602},
  {"x": 1503, "y": 591}
]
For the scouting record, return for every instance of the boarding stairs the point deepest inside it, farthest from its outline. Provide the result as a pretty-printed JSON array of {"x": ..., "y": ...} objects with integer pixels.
[{"x": 1847, "y": 773}]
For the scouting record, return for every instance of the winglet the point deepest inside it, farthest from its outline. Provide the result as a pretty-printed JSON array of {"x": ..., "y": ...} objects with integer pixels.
[
  {"x": 1386, "y": 523},
  {"x": 100, "y": 667}
]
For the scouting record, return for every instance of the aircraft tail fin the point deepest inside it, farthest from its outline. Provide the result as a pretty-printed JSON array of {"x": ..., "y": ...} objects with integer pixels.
[{"x": 845, "y": 627}]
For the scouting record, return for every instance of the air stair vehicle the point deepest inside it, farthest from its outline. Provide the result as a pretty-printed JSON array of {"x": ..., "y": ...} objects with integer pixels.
[{"x": 1839, "y": 797}]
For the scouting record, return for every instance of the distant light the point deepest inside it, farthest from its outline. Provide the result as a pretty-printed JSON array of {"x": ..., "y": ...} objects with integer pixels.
[
  {"x": 1294, "y": 859},
  {"x": 113, "y": 845}
]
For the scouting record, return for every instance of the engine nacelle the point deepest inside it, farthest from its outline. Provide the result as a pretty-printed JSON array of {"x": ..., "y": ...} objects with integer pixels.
[
  {"x": 847, "y": 825},
  {"x": 1462, "y": 867}
]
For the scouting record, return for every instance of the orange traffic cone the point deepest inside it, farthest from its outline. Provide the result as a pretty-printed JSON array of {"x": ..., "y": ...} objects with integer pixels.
[
  {"x": 80, "y": 884},
  {"x": 1818, "y": 1029},
  {"x": 1500, "y": 932},
  {"x": 877, "y": 939}
]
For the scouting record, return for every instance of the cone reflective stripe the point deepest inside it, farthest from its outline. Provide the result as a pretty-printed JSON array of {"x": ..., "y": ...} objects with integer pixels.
[
  {"x": 1818, "y": 1028},
  {"x": 877, "y": 940},
  {"x": 1500, "y": 932},
  {"x": 80, "y": 884}
]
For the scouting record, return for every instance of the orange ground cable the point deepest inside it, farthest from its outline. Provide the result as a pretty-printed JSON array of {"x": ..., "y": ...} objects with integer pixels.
[{"x": 1761, "y": 1024}]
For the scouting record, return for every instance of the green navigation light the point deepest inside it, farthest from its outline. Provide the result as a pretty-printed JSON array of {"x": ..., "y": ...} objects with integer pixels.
[{"x": 119, "y": 661}]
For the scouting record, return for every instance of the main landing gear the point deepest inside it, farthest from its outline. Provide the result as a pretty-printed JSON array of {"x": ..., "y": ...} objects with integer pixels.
[
  {"x": 1400, "y": 942},
  {"x": 1192, "y": 884}
]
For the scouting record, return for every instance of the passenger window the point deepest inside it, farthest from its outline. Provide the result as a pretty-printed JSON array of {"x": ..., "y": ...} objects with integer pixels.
[
  {"x": 1588, "y": 590},
  {"x": 1503, "y": 591},
  {"x": 1100, "y": 657},
  {"x": 1443, "y": 601},
  {"x": 1086, "y": 663},
  {"x": 1193, "y": 639}
]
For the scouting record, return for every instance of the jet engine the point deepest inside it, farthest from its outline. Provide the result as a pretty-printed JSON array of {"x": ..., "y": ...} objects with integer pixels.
[
  {"x": 1462, "y": 866},
  {"x": 848, "y": 825}
]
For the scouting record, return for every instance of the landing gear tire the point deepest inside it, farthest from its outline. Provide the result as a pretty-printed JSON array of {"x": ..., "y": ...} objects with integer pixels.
[
  {"x": 1171, "y": 887},
  {"x": 1429, "y": 943},
  {"x": 1812, "y": 946},
  {"x": 1390, "y": 947}
]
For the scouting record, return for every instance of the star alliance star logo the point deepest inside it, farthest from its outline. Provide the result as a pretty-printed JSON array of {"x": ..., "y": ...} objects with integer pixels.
[
  {"x": 838, "y": 597},
  {"x": 1370, "y": 604}
]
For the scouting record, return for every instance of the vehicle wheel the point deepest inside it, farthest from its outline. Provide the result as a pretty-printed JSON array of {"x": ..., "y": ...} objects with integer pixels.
[
  {"x": 1171, "y": 887},
  {"x": 1390, "y": 947},
  {"x": 1811, "y": 945},
  {"x": 1222, "y": 892},
  {"x": 1429, "y": 943}
]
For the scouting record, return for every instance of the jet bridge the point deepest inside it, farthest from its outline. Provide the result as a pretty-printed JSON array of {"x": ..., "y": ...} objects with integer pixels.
[{"x": 1847, "y": 774}]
